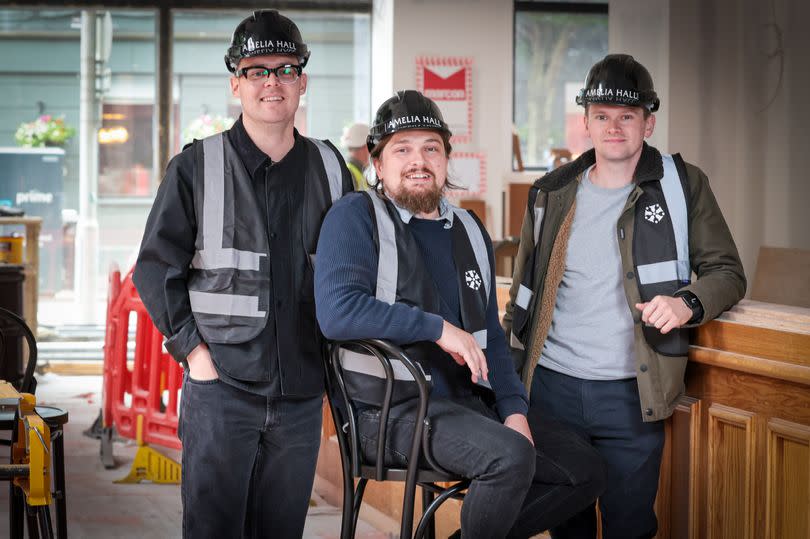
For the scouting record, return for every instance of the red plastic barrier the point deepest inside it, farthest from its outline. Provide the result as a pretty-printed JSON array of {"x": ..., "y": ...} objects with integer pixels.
[{"x": 153, "y": 379}]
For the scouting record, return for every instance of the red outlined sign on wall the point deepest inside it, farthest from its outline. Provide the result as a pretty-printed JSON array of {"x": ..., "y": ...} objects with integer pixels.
[
  {"x": 468, "y": 170},
  {"x": 448, "y": 82}
]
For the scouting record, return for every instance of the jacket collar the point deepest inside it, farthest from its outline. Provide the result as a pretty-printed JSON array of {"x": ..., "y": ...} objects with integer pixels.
[{"x": 650, "y": 167}]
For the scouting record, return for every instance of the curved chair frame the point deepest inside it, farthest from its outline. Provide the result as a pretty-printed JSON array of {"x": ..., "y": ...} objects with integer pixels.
[{"x": 352, "y": 463}]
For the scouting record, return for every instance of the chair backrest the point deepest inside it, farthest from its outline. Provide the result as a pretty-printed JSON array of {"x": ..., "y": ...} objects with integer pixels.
[
  {"x": 344, "y": 410},
  {"x": 12, "y": 327}
]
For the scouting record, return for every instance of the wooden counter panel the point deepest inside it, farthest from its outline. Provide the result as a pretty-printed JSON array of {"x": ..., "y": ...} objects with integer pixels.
[
  {"x": 730, "y": 483},
  {"x": 677, "y": 514},
  {"x": 788, "y": 480},
  {"x": 757, "y": 394},
  {"x": 766, "y": 343}
]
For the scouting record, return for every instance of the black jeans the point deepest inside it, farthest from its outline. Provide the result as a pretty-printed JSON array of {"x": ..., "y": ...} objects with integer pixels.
[
  {"x": 248, "y": 461},
  {"x": 558, "y": 477},
  {"x": 608, "y": 415}
]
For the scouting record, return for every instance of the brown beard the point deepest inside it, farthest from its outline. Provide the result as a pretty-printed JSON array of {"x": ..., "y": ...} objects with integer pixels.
[{"x": 419, "y": 201}]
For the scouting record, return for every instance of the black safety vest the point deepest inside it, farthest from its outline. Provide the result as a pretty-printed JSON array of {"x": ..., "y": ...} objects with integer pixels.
[
  {"x": 660, "y": 252},
  {"x": 229, "y": 279},
  {"x": 403, "y": 277}
]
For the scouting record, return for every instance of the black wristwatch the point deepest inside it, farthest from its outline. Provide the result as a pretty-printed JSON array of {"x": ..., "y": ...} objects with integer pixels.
[{"x": 691, "y": 301}]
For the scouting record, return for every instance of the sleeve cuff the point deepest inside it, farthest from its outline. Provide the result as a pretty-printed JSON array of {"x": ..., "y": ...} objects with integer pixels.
[
  {"x": 511, "y": 405},
  {"x": 434, "y": 325},
  {"x": 183, "y": 342}
]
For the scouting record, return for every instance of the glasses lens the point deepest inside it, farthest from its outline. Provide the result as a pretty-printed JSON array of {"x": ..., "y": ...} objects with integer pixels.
[
  {"x": 287, "y": 74},
  {"x": 256, "y": 73}
]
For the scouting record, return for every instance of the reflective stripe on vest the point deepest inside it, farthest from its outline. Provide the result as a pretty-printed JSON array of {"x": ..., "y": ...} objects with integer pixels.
[
  {"x": 524, "y": 294},
  {"x": 366, "y": 364},
  {"x": 330, "y": 163},
  {"x": 671, "y": 270},
  {"x": 388, "y": 259},
  {"x": 538, "y": 223},
  {"x": 478, "y": 244},
  {"x": 213, "y": 256}
]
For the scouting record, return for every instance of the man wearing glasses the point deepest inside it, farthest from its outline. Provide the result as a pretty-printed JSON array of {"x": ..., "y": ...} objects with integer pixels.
[{"x": 226, "y": 271}]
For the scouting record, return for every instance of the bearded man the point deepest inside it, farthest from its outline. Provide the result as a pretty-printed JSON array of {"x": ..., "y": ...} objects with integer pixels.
[{"x": 401, "y": 263}]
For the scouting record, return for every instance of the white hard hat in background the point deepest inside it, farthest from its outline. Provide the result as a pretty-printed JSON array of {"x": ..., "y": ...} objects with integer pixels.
[{"x": 354, "y": 136}]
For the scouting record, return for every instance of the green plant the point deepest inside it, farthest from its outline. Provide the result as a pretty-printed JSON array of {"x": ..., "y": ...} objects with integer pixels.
[{"x": 44, "y": 131}]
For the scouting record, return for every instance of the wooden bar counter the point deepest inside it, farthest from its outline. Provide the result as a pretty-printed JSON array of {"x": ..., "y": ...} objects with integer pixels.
[{"x": 737, "y": 457}]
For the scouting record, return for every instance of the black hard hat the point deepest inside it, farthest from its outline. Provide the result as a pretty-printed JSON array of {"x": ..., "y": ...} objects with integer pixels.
[
  {"x": 265, "y": 32},
  {"x": 618, "y": 79},
  {"x": 407, "y": 109}
]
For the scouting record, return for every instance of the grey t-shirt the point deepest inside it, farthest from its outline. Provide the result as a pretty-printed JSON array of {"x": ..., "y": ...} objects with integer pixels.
[{"x": 591, "y": 334}]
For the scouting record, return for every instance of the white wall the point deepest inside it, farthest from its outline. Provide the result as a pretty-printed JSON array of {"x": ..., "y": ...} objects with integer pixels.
[
  {"x": 743, "y": 126},
  {"x": 403, "y": 30},
  {"x": 641, "y": 29}
]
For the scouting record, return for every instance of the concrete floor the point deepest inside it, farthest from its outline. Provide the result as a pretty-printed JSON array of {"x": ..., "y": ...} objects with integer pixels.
[{"x": 99, "y": 508}]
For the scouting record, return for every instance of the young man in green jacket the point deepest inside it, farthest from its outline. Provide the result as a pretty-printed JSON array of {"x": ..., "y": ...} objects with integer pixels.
[{"x": 603, "y": 298}]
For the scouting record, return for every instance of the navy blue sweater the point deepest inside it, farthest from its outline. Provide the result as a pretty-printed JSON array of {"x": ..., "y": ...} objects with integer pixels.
[{"x": 346, "y": 281}]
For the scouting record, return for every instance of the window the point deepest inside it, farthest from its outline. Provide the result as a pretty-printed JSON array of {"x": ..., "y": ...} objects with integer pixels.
[
  {"x": 338, "y": 72},
  {"x": 125, "y": 150},
  {"x": 555, "y": 45},
  {"x": 39, "y": 63}
]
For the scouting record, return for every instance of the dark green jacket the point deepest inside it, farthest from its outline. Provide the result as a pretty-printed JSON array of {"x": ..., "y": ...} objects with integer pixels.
[{"x": 713, "y": 257}]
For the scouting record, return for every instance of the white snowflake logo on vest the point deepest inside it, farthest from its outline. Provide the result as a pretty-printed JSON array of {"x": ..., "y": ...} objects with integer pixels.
[
  {"x": 654, "y": 213},
  {"x": 473, "y": 279}
]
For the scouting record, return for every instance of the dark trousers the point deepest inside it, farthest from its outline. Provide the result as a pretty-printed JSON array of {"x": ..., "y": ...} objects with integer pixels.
[
  {"x": 558, "y": 477},
  {"x": 248, "y": 461},
  {"x": 608, "y": 415}
]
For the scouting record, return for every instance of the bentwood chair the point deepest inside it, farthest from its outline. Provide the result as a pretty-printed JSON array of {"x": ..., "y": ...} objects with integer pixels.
[{"x": 345, "y": 415}]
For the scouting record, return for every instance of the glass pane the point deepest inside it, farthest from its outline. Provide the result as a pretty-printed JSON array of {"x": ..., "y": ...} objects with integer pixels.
[
  {"x": 338, "y": 71},
  {"x": 553, "y": 52},
  {"x": 125, "y": 151},
  {"x": 39, "y": 147}
]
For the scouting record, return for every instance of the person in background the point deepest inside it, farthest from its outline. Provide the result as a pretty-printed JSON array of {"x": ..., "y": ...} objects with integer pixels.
[{"x": 354, "y": 140}]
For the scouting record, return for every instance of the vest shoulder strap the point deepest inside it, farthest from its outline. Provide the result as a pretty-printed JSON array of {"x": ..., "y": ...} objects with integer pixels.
[
  {"x": 387, "y": 257},
  {"x": 680, "y": 165},
  {"x": 474, "y": 228},
  {"x": 331, "y": 163}
]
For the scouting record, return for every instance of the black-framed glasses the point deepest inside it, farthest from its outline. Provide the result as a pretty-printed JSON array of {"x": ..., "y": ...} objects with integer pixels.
[{"x": 286, "y": 74}]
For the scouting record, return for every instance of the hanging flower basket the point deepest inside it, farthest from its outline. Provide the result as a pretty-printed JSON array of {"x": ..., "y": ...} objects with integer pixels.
[
  {"x": 44, "y": 131},
  {"x": 205, "y": 126}
]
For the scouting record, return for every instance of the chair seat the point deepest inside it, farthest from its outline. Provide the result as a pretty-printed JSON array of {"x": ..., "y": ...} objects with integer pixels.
[
  {"x": 399, "y": 474},
  {"x": 51, "y": 415}
]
